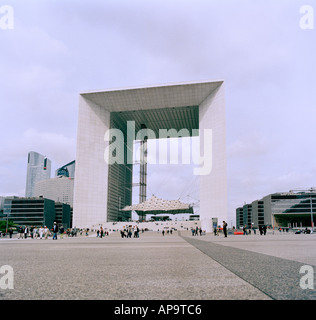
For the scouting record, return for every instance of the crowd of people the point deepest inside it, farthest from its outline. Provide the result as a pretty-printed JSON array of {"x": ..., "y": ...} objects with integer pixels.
[
  {"x": 40, "y": 232},
  {"x": 197, "y": 231},
  {"x": 43, "y": 232},
  {"x": 163, "y": 232}
]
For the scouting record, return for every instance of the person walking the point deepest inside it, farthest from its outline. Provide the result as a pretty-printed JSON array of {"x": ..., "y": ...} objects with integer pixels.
[
  {"x": 61, "y": 231},
  {"x": 40, "y": 232},
  {"x": 35, "y": 232},
  {"x": 225, "y": 229},
  {"x": 55, "y": 231},
  {"x": 10, "y": 232},
  {"x": 21, "y": 235},
  {"x": 46, "y": 232},
  {"x": 26, "y": 231}
]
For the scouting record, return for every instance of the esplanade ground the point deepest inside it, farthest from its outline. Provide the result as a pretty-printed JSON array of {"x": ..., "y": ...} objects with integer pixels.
[{"x": 175, "y": 266}]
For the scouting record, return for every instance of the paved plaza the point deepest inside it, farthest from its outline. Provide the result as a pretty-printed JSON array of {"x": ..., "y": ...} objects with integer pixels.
[{"x": 176, "y": 266}]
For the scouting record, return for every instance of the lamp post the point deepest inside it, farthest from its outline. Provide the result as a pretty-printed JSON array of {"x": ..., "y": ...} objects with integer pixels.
[{"x": 7, "y": 212}]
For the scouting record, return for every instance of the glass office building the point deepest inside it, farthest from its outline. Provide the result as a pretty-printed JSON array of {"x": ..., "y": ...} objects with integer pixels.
[
  {"x": 239, "y": 217},
  {"x": 30, "y": 211},
  {"x": 68, "y": 170},
  {"x": 284, "y": 209},
  {"x": 36, "y": 212},
  {"x": 63, "y": 214},
  {"x": 38, "y": 169}
]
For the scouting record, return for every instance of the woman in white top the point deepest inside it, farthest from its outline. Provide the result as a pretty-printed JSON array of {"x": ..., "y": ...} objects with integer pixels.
[
  {"x": 46, "y": 232},
  {"x": 40, "y": 231}
]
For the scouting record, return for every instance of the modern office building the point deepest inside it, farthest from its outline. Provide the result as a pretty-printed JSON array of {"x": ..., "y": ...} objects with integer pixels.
[
  {"x": 36, "y": 212},
  {"x": 239, "y": 217},
  {"x": 30, "y": 211},
  {"x": 68, "y": 170},
  {"x": 110, "y": 121},
  {"x": 247, "y": 215},
  {"x": 1, "y": 204},
  {"x": 257, "y": 208},
  {"x": 63, "y": 214},
  {"x": 59, "y": 189},
  {"x": 282, "y": 209},
  {"x": 38, "y": 169}
]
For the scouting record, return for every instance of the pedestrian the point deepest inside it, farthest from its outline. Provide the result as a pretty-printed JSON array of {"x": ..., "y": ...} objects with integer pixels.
[
  {"x": 163, "y": 233},
  {"x": 129, "y": 235},
  {"x": 225, "y": 228},
  {"x": 245, "y": 230},
  {"x": 61, "y": 231},
  {"x": 26, "y": 231},
  {"x": 21, "y": 233},
  {"x": 55, "y": 231},
  {"x": 10, "y": 232},
  {"x": 264, "y": 229},
  {"x": 35, "y": 232},
  {"x": 40, "y": 232},
  {"x": 101, "y": 232},
  {"x": 98, "y": 233},
  {"x": 46, "y": 231}
]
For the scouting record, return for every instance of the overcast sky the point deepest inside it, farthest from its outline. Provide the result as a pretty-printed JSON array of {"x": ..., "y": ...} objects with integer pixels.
[{"x": 58, "y": 49}]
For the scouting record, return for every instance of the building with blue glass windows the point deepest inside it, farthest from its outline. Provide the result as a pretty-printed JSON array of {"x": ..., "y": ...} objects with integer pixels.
[
  {"x": 38, "y": 169},
  {"x": 284, "y": 209}
]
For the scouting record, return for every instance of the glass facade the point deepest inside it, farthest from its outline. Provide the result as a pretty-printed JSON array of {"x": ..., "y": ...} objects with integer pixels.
[
  {"x": 247, "y": 215},
  {"x": 286, "y": 209},
  {"x": 68, "y": 170},
  {"x": 63, "y": 214},
  {"x": 30, "y": 211},
  {"x": 38, "y": 169},
  {"x": 293, "y": 210},
  {"x": 239, "y": 217}
]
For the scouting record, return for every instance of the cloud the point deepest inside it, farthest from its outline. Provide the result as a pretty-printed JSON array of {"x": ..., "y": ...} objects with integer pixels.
[
  {"x": 57, "y": 50},
  {"x": 59, "y": 148}
]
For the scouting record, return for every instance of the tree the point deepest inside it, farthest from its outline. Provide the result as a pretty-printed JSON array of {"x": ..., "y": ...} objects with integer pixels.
[{"x": 3, "y": 225}]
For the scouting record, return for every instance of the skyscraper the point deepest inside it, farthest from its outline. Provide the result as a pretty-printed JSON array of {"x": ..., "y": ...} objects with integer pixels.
[
  {"x": 38, "y": 169},
  {"x": 68, "y": 170}
]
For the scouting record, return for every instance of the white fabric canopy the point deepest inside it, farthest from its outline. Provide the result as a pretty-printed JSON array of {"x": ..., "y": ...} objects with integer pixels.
[{"x": 155, "y": 205}]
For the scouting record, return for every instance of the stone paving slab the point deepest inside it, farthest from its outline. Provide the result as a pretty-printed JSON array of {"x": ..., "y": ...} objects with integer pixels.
[
  {"x": 151, "y": 267},
  {"x": 295, "y": 247},
  {"x": 272, "y": 264}
]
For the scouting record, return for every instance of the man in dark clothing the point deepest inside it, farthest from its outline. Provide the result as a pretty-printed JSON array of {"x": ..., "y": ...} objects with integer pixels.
[
  {"x": 225, "y": 228},
  {"x": 26, "y": 231},
  {"x": 55, "y": 230}
]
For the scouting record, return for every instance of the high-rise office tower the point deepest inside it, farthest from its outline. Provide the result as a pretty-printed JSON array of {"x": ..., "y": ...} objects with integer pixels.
[
  {"x": 38, "y": 169},
  {"x": 68, "y": 170}
]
